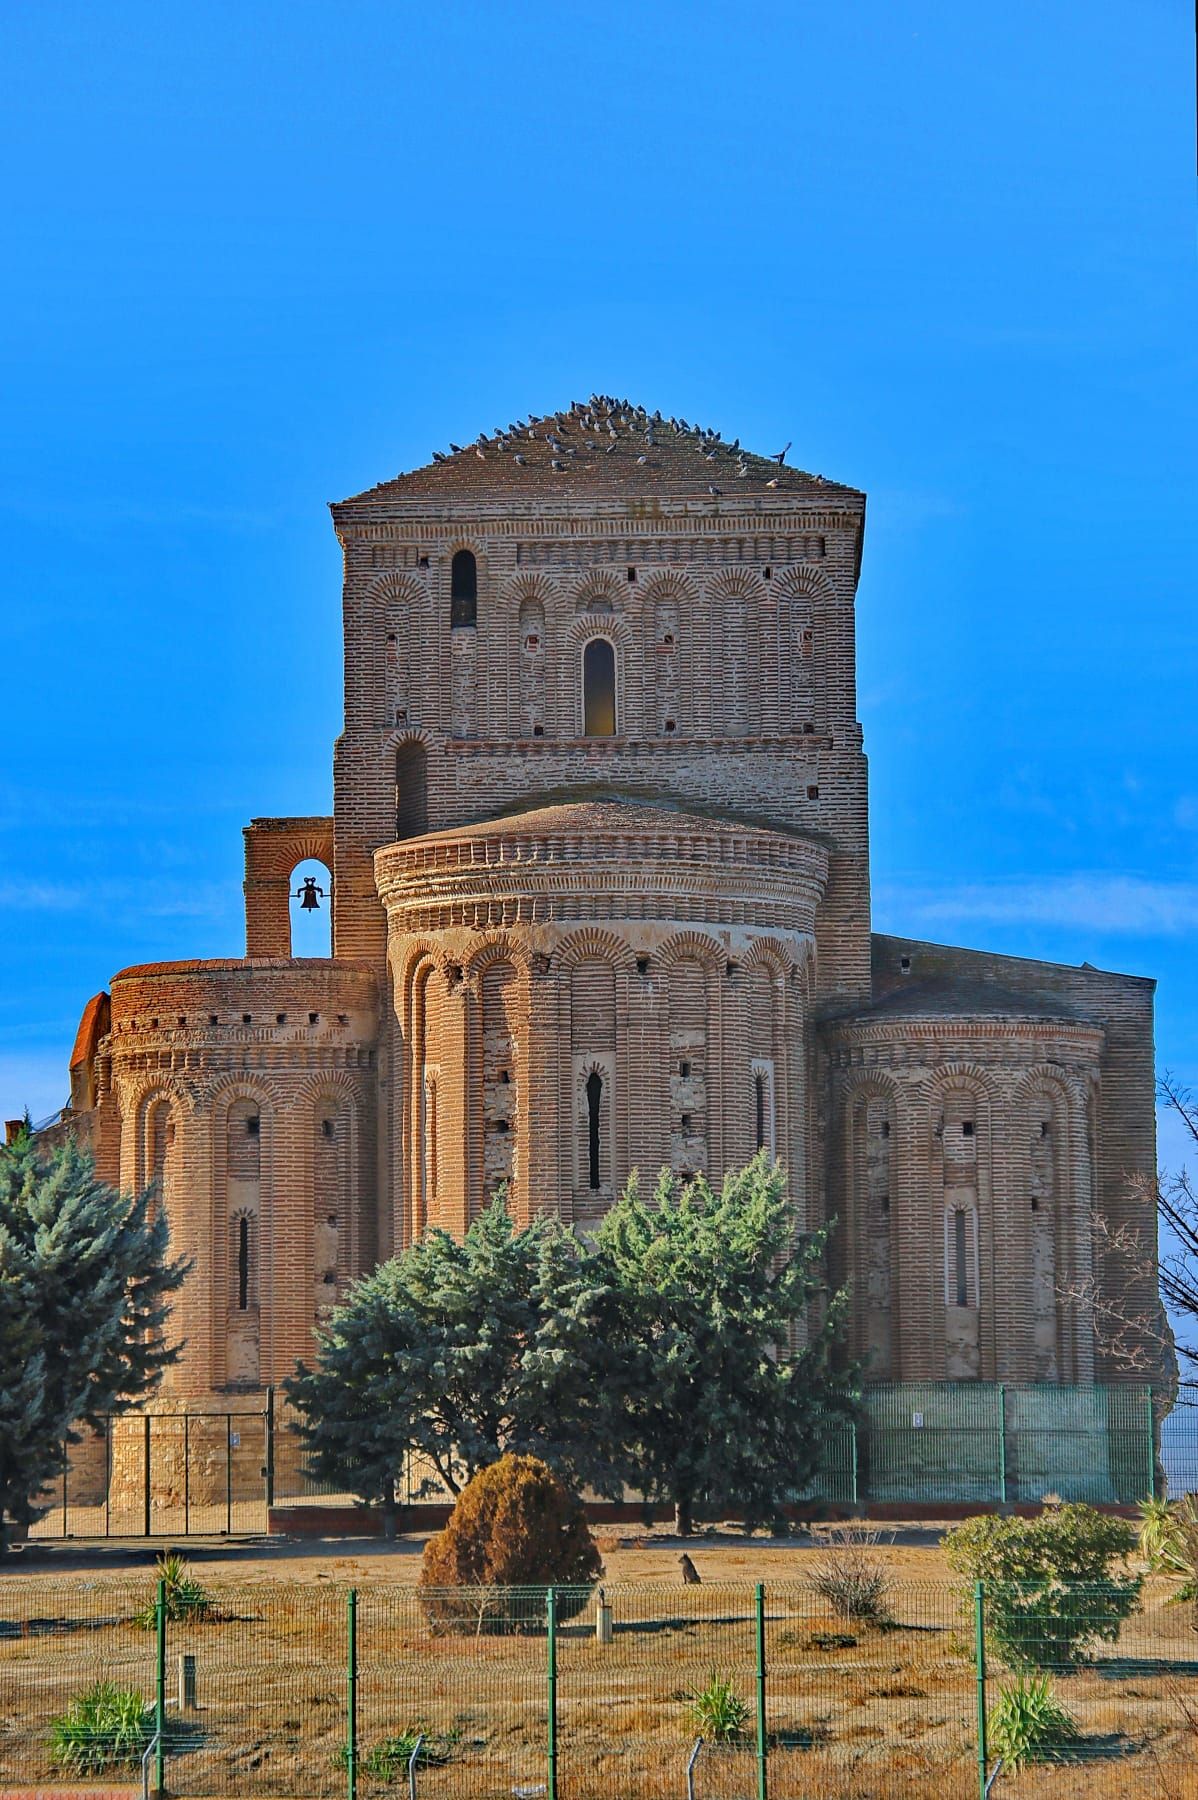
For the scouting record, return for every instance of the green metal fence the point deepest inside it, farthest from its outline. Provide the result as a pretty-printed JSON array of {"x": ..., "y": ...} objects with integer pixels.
[
  {"x": 913, "y": 1445},
  {"x": 302, "y": 1689},
  {"x": 982, "y": 1443}
]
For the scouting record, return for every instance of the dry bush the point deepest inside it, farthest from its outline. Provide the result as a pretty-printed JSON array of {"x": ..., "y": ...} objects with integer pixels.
[
  {"x": 515, "y": 1526},
  {"x": 851, "y": 1576}
]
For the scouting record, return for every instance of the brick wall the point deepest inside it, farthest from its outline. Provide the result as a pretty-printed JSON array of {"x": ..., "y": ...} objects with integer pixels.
[{"x": 561, "y": 956}]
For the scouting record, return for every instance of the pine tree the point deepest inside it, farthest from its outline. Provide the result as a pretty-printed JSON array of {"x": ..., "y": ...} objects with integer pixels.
[
  {"x": 718, "y": 1415},
  {"x": 84, "y": 1280},
  {"x": 651, "y": 1357},
  {"x": 455, "y": 1352}
]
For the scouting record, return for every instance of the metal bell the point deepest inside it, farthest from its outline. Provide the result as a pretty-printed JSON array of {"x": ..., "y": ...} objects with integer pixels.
[{"x": 309, "y": 894}]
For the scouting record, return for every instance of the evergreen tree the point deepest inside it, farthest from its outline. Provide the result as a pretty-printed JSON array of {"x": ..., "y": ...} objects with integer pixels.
[
  {"x": 456, "y": 1352},
  {"x": 84, "y": 1280},
  {"x": 650, "y": 1358},
  {"x": 716, "y": 1415}
]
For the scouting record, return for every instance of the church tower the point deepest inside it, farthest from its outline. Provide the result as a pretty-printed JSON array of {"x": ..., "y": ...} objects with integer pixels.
[{"x": 600, "y": 889}]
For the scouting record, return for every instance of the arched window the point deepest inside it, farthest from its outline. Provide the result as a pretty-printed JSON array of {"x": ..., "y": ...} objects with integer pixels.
[
  {"x": 411, "y": 790},
  {"x": 960, "y": 1256},
  {"x": 594, "y": 1097},
  {"x": 243, "y": 1263},
  {"x": 599, "y": 688},
  {"x": 763, "y": 1104},
  {"x": 430, "y": 1114},
  {"x": 463, "y": 589}
]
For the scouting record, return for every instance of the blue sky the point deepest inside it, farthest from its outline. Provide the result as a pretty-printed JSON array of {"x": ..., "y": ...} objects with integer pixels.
[{"x": 259, "y": 257}]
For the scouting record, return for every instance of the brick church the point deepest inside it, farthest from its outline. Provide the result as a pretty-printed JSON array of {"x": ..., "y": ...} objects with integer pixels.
[{"x": 599, "y": 877}]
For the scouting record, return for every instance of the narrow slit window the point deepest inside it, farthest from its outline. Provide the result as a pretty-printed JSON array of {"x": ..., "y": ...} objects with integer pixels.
[
  {"x": 411, "y": 790},
  {"x": 759, "y": 1099},
  {"x": 243, "y": 1264},
  {"x": 599, "y": 688},
  {"x": 961, "y": 1255},
  {"x": 594, "y": 1099},
  {"x": 463, "y": 589}
]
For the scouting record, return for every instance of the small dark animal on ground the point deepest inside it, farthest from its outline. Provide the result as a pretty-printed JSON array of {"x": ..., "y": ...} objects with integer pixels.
[{"x": 690, "y": 1574}]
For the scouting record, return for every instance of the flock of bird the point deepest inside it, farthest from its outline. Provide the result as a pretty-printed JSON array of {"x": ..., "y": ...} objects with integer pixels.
[{"x": 599, "y": 426}]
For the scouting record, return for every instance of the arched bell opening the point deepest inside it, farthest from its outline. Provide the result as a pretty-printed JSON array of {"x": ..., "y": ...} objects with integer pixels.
[{"x": 311, "y": 909}]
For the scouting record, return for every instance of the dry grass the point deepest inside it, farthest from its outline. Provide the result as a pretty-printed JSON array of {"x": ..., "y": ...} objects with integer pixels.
[{"x": 854, "y": 1712}]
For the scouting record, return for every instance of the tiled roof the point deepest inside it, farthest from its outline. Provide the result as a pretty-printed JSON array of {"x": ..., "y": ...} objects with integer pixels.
[
  {"x": 601, "y": 447},
  {"x": 963, "y": 998},
  {"x": 92, "y": 1027},
  {"x": 601, "y": 818}
]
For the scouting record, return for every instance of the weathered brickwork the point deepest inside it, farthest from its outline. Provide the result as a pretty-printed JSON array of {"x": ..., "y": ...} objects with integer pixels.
[{"x": 600, "y": 888}]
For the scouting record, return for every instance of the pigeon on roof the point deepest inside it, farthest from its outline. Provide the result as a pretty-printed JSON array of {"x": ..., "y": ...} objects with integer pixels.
[{"x": 611, "y": 462}]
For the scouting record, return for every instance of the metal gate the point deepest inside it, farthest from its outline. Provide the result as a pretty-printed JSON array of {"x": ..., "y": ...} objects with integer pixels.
[{"x": 166, "y": 1475}]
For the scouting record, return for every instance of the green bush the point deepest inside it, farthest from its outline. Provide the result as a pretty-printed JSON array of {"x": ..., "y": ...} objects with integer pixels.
[
  {"x": 104, "y": 1727},
  {"x": 718, "y": 1709},
  {"x": 1169, "y": 1541},
  {"x": 186, "y": 1598},
  {"x": 1052, "y": 1585},
  {"x": 1029, "y": 1724}
]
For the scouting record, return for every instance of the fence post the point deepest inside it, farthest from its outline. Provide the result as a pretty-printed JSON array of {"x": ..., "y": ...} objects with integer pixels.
[
  {"x": 228, "y": 1475},
  {"x": 186, "y": 1475},
  {"x": 270, "y": 1452},
  {"x": 66, "y": 1463},
  {"x": 160, "y": 1687},
  {"x": 762, "y": 1740},
  {"x": 1151, "y": 1448},
  {"x": 854, "y": 1463},
  {"x": 1002, "y": 1444},
  {"x": 551, "y": 1745},
  {"x": 351, "y": 1711},
  {"x": 979, "y": 1621},
  {"x": 145, "y": 1486}
]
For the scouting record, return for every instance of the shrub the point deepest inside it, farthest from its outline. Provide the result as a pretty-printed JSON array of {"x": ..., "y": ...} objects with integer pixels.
[
  {"x": 105, "y": 1726},
  {"x": 1169, "y": 1541},
  {"x": 388, "y": 1760},
  {"x": 718, "y": 1709},
  {"x": 1029, "y": 1724},
  {"x": 515, "y": 1526},
  {"x": 1052, "y": 1589},
  {"x": 853, "y": 1580},
  {"x": 186, "y": 1598}
]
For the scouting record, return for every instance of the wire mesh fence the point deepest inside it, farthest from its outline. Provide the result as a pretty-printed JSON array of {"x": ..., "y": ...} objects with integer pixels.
[
  {"x": 632, "y": 1691},
  {"x": 912, "y": 1445},
  {"x": 1089, "y": 1691}
]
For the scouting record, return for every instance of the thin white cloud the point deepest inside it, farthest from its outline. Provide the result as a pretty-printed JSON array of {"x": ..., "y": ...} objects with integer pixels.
[
  {"x": 207, "y": 900},
  {"x": 1122, "y": 905}
]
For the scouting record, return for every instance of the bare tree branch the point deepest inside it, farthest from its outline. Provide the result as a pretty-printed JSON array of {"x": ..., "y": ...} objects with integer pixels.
[{"x": 1137, "y": 1339}]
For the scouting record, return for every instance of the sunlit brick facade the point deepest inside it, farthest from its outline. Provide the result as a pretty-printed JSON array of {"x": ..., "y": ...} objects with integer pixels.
[{"x": 600, "y": 890}]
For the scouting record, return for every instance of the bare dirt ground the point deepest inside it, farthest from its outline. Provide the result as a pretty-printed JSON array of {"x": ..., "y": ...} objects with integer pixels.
[
  {"x": 630, "y": 1555},
  {"x": 855, "y": 1712}
]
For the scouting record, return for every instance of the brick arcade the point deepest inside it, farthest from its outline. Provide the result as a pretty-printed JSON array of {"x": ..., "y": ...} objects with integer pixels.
[{"x": 599, "y": 874}]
